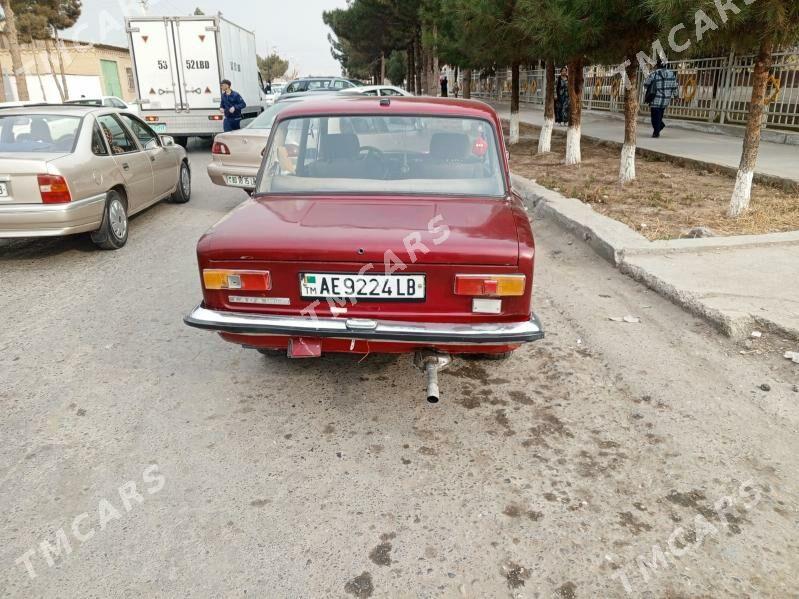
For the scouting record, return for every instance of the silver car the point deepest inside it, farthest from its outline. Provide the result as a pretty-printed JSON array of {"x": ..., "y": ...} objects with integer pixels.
[{"x": 77, "y": 169}]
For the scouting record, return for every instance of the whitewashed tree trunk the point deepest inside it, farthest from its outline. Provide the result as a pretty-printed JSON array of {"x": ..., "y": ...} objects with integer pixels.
[
  {"x": 545, "y": 141},
  {"x": 627, "y": 169},
  {"x": 742, "y": 194},
  {"x": 573, "y": 154},
  {"x": 514, "y": 128}
]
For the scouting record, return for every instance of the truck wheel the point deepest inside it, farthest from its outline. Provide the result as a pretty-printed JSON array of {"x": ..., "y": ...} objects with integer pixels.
[
  {"x": 182, "y": 141},
  {"x": 113, "y": 233},
  {"x": 183, "y": 192}
]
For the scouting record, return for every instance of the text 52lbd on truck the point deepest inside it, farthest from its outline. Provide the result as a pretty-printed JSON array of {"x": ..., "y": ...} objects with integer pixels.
[{"x": 178, "y": 63}]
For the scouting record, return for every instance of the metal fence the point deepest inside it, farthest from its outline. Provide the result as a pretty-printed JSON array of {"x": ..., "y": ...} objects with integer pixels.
[{"x": 714, "y": 90}]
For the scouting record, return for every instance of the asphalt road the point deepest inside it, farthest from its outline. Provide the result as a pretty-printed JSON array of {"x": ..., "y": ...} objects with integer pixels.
[{"x": 169, "y": 463}]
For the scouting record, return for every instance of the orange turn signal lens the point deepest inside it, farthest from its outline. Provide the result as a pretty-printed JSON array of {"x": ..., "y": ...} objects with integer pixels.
[
  {"x": 490, "y": 285},
  {"x": 240, "y": 280}
]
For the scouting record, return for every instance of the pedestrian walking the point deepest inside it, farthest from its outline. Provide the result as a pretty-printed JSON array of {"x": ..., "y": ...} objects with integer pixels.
[
  {"x": 231, "y": 106},
  {"x": 661, "y": 88},
  {"x": 456, "y": 89},
  {"x": 562, "y": 101},
  {"x": 444, "y": 85}
]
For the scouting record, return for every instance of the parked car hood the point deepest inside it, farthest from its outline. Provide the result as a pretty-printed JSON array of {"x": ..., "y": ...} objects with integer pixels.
[{"x": 359, "y": 229}]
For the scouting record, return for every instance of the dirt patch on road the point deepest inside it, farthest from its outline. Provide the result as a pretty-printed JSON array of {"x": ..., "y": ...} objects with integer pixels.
[{"x": 666, "y": 201}]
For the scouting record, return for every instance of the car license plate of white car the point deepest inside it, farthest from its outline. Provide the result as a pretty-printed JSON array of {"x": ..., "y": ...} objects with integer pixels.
[
  {"x": 158, "y": 127},
  {"x": 363, "y": 287},
  {"x": 3, "y": 190},
  {"x": 237, "y": 181}
]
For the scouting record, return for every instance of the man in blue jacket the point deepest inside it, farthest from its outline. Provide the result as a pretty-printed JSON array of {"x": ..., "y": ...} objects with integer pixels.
[{"x": 232, "y": 105}]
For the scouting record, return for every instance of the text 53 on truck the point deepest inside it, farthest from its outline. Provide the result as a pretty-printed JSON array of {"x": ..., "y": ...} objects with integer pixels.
[{"x": 178, "y": 63}]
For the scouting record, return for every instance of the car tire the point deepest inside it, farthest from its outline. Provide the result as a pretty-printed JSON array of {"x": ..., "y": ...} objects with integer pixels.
[
  {"x": 183, "y": 191},
  {"x": 181, "y": 140},
  {"x": 113, "y": 233}
]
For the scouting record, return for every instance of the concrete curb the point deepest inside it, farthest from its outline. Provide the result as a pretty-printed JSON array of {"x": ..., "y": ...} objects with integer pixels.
[{"x": 619, "y": 244}]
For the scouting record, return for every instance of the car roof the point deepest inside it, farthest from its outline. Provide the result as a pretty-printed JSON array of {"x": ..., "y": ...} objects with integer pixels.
[
  {"x": 389, "y": 105},
  {"x": 65, "y": 109}
]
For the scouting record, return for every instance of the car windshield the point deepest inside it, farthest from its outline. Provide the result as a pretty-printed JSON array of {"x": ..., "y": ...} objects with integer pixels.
[
  {"x": 38, "y": 133},
  {"x": 417, "y": 155},
  {"x": 267, "y": 117}
]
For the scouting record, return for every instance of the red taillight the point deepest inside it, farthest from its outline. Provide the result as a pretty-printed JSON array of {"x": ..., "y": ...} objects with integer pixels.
[
  {"x": 490, "y": 285},
  {"x": 220, "y": 148},
  {"x": 54, "y": 189},
  {"x": 151, "y": 119},
  {"x": 216, "y": 117}
]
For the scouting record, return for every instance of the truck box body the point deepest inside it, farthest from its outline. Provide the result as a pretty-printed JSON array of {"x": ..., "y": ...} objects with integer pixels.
[{"x": 178, "y": 63}]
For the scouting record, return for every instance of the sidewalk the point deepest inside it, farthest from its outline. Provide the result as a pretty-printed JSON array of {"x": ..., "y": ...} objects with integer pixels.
[{"x": 775, "y": 160}]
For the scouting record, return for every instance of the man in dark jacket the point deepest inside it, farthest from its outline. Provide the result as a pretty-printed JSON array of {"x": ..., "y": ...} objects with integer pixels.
[
  {"x": 662, "y": 87},
  {"x": 232, "y": 105}
]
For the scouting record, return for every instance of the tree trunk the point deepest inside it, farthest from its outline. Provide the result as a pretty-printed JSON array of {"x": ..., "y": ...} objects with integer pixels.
[
  {"x": 742, "y": 194},
  {"x": 419, "y": 64},
  {"x": 53, "y": 71},
  {"x": 434, "y": 68},
  {"x": 627, "y": 166},
  {"x": 467, "y": 84},
  {"x": 573, "y": 153},
  {"x": 16, "y": 56},
  {"x": 59, "y": 49},
  {"x": 382, "y": 68},
  {"x": 545, "y": 141},
  {"x": 411, "y": 69},
  {"x": 35, "y": 51},
  {"x": 514, "y": 103},
  {"x": 2, "y": 85}
]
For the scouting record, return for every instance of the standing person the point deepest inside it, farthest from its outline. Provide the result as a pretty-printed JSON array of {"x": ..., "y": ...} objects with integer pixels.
[
  {"x": 444, "y": 84},
  {"x": 661, "y": 88},
  {"x": 456, "y": 89},
  {"x": 231, "y": 106},
  {"x": 562, "y": 101}
]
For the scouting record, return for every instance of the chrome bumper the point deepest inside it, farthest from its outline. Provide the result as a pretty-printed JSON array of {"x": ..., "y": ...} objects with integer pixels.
[
  {"x": 46, "y": 220},
  {"x": 375, "y": 330}
]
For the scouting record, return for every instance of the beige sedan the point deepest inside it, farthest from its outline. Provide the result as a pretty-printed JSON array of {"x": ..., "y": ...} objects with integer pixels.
[
  {"x": 237, "y": 155},
  {"x": 79, "y": 169}
]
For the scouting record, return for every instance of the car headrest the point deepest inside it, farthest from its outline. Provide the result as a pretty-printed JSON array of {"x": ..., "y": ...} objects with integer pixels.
[
  {"x": 449, "y": 146},
  {"x": 40, "y": 130},
  {"x": 341, "y": 146}
]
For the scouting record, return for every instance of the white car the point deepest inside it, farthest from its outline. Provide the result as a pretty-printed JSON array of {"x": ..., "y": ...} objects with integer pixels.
[
  {"x": 271, "y": 98},
  {"x": 377, "y": 90},
  {"x": 106, "y": 102}
]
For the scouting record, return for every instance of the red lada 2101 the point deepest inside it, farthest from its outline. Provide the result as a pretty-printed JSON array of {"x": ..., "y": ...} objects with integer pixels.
[{"x": 377, "y": 226}]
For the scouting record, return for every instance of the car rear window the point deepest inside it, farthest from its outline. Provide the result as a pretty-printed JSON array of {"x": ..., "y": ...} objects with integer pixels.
[
  {"x": 38, "y": 133},
  {"x": 418, "y": 155}
]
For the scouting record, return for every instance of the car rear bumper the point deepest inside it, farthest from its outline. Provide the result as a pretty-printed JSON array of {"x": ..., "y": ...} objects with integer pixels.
[
  {"x": 217, "y": 172},
  {"x": 51, "y": 220},
  {"x": 375, "y": 330}
]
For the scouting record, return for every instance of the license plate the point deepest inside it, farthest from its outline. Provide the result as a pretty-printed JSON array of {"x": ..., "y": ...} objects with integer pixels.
[
  {"x": 237, "y": 181},
  {"x": 3, "y": 190},
  {"x": 158, "y": 127},
  {"x": 364, "y": 287}
]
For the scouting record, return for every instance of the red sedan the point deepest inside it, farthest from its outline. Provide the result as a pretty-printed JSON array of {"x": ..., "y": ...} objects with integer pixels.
[{"x": 377, "y": 226}]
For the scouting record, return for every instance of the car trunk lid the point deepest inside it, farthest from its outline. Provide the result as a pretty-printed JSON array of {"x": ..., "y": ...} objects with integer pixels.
[
  {"x": 413, "y": 230},
  {"x": 18, "y": 176}
]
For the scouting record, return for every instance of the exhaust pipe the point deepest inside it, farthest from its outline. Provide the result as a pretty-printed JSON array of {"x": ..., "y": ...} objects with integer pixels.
[{"x": 431, "y": 363}]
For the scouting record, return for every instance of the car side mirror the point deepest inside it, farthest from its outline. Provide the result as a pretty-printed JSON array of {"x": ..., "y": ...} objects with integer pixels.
[{"x": 167, "y": 141}]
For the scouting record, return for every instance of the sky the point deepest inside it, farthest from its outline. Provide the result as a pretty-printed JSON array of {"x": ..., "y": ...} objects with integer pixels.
[{"x": 292, "y": 27}]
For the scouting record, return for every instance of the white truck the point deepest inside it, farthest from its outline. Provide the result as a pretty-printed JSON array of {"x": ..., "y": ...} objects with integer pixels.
[{"x": 178, "y": 63}]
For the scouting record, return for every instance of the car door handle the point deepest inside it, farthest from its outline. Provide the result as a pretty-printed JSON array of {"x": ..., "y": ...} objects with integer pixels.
[
  {"x": 125, "y": 166},
  {"x": 152, "y": 158}
]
